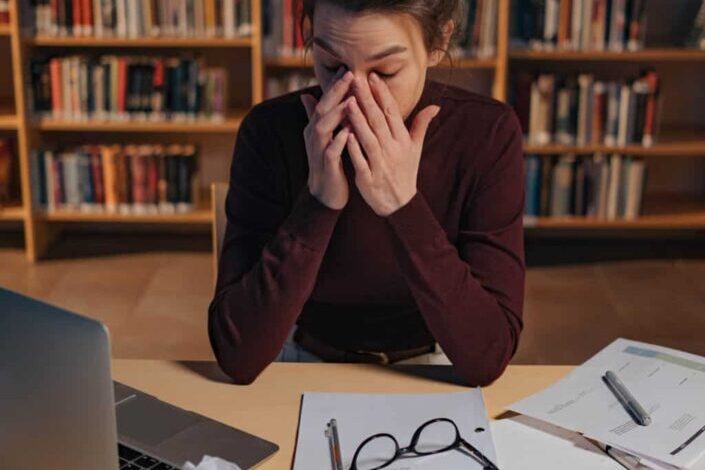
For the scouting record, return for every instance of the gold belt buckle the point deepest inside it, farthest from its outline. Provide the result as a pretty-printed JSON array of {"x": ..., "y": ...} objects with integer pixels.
[{"x": 382, "y": 356}]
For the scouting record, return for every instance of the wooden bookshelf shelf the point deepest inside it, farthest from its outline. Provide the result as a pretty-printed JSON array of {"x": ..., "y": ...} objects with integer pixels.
[
  {"x": 229, "y": 124},
  {"x": 199, "y": 216},
  {"x": 675, "y": 143},
  {"x": 646, "y": 55},
  {"x": 11, "y": 213},
  {"x": 50, "y": 41},
  {"x": 8, "y": 120},
  {"x": 662, "y": 212},
  {"x": 5, "y": 30}
]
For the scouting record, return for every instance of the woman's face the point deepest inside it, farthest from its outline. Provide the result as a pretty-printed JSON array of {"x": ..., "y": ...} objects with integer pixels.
[{"x": 390, "y": 45}]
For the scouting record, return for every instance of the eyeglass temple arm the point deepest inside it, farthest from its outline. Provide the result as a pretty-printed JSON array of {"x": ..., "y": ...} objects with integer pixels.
[{"x": 479, "y": 455}]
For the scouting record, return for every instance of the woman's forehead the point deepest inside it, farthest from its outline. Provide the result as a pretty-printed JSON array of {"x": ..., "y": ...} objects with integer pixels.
[{"x": 334, "y": 25}]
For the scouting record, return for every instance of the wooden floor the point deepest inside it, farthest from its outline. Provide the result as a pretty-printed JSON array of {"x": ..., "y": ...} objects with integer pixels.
[{"x": 153, "y": 294}]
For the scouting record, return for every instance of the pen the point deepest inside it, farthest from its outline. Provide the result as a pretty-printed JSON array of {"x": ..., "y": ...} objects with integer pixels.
[
  {"x": 334, "y": 445},
  {"x": 635, "y": 410},
  {"x": 628, "y": 461}
]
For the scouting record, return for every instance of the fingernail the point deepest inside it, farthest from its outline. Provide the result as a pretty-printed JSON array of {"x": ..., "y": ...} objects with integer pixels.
[{"x": 373, "y": 76}]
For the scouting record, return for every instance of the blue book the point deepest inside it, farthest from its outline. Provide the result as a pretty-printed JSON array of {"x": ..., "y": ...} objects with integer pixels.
[{"x": 532, "y": 206}]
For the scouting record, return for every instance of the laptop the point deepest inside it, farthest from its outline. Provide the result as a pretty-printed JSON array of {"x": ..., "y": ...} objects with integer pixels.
[{"x": 59, "y": 407}]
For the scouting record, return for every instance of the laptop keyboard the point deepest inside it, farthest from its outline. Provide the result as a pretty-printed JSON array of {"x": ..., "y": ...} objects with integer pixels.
[{"x": 132, "y": 459}]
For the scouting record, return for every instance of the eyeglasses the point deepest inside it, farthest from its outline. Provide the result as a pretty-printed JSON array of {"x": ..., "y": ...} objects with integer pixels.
[{"x": 433, "y": 437}]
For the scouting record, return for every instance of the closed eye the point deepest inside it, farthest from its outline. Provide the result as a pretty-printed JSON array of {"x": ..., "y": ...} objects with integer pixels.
[{"x": 383, "y": 75}]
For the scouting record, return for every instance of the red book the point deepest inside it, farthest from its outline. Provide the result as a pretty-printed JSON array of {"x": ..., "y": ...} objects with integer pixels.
[
  {"x": 650, "y": 119},
  {"x": 77, "y": 26},
  {"x": 97, "y": 172},
  {"x": 153, "y": 177},
  {"x": 56, "y": 96},
  {"x": 139, "y": 178},
  {"x": 299, "y": 43},
  {"x": 4, "y": 13},
  {"x": 288, "y": 32},
  {"x": 87, "y": 10},
  {"x": 599, "y": 113}
]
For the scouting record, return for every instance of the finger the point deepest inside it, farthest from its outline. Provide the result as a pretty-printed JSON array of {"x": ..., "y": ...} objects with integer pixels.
[
  {"x": 334, "y": 118},
  {"x": 362, "y": 168},
  {"x": 389, "y": 106},
  {"x": 335, "y": 148},
  {"x": 335, "y": 93},
  {"x": 364, "y": 134},
  {"x": 371, "y": 109},
  {"x": 421, "y": 122},
  {"x": 309, "y": 102}
]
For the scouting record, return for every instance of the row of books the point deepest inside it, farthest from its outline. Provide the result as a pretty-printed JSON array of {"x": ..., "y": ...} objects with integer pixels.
[
  {"x": 277, "y": 85},
  {"x": 143, "y": 18},
  {"x": 598, "y": 25},
  {"x": 9, "y": 180},
  {"x": 595, "y": 186},
  {"x": 123, "y": 179},
  {"x": 4, "y": 12},
  {"x": 113, "y": 87},
  {"x": 479, "y": 29},
  {"x": 587, "y": 111}
]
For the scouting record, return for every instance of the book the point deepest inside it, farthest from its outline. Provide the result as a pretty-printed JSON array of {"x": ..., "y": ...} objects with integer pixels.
[
  {"x": 598, "y": 25},
  {"x": 587, "y": 110},
  {"x": 137, "y": 88},
  {"x": 132, "y": 179},
  {"x": 533, "y": 185},
  {"x": 592, "y": 186},
  {"x": 696, "y": 37},
  {"x": 562, "y": 186},
  {"x": 9, "y": 174},
  {"x": 142, "y": 18}
]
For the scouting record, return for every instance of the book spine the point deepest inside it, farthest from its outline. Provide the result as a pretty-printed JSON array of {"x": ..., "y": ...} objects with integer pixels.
[
  {"x": 650, "y": 112},
  {"x": 562, "y": 179},
  {"x": 613, "y": 109},
  {"x": 614, "y": 185},
  {"x": 635, "y": 189},
  {"x": 533, "y": 186}
]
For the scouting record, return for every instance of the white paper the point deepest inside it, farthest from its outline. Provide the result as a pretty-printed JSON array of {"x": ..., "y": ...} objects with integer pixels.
[
  {"x": 523, "y": 442},
  {"x": 361, "y": 415},
  {"x": 211, "y": 463},
  {"x": 669, "y": 384}
]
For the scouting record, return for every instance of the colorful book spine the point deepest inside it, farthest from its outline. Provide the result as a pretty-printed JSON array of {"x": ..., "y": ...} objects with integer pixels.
[
  {"x": 130, "y": 179},
  {"x": 590, "y": 186}
]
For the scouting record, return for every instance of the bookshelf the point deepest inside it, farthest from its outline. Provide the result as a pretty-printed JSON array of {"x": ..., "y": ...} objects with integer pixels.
[{"x": 666, "y": 210}]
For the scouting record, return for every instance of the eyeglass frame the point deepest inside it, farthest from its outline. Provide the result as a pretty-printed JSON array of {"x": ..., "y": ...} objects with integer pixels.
[{"x": 411, "y": 448}]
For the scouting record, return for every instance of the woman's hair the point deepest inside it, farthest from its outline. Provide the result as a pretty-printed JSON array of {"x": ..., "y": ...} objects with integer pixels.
[{"x": 431, "y": 15}]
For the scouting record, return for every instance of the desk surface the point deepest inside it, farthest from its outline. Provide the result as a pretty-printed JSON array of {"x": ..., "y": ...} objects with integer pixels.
[{"x": 269, "y": 408}]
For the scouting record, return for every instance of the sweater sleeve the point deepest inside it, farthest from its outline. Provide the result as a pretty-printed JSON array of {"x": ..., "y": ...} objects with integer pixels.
[
  {"x": 270, "y": 257},
  {"x": 471, "y": 293}
]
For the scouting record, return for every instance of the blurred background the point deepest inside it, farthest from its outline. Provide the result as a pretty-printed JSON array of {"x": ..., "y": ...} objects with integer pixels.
[{"x": 117, "y": 116}]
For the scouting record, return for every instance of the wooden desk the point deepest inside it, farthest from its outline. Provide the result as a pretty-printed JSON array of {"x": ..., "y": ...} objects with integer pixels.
[{"x": 269, "y": 408}]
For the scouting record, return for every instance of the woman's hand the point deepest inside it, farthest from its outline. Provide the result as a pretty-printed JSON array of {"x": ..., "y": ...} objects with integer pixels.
[
  {"x": 387, "y": 177},
  {"x": 326, "y": 178}
]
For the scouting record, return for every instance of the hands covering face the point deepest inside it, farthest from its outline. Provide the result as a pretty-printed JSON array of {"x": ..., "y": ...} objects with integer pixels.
[{"x": 384, "y": 153}]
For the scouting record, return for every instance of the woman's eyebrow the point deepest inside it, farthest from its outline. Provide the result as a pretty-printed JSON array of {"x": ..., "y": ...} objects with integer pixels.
[{"x": 396, "y": 49}]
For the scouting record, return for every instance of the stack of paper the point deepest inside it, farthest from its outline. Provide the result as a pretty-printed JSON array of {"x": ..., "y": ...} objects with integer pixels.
[
  {"x": 669, "y": 384},
  {"x": 361, "y": 415}
]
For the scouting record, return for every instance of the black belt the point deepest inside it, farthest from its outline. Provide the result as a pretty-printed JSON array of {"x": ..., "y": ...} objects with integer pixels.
[{"x": 332, "y": 354}]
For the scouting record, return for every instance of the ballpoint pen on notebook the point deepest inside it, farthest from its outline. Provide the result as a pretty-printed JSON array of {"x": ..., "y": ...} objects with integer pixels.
[
  {"x": 334, "y": 445},
  {"x": 624, "y": 396}
]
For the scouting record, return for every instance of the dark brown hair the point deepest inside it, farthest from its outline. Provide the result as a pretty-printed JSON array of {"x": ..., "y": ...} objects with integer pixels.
[{"x": 431, "y": 15}]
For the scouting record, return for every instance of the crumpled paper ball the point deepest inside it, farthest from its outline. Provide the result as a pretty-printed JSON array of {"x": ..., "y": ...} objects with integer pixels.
[{"x": 211, "y": 463}]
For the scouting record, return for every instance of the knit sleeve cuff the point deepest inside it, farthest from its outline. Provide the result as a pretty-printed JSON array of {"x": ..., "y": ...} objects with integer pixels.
[
  {"x": 414, "y": 223},
  {"x": 311, "y": 222}
]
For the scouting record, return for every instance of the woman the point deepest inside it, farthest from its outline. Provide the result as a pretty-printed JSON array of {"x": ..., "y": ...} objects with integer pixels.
[{"x": 378, "y": 215}]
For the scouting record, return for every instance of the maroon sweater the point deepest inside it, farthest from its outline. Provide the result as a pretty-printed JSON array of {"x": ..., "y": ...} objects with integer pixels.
[{"x": 448, "y": 266}]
